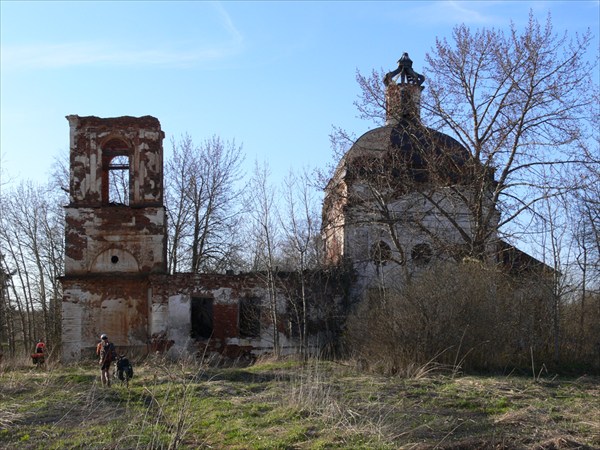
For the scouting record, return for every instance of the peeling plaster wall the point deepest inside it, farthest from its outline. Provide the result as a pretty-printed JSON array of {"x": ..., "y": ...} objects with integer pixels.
[
  {"x": 116, "y": 280},
  {"x": 90, "y": 139},
  {"x": 95, "y": 235},
  {"x": 159, "y": 317},
  {"x": 72, "y": 313},
  {"x": 179, "y": 323},
  {"x": 174, "y": 292},
  {"x": 117, "y": 306},
  {"x": 333, "y": 219},
  {"x": 362, "y": 232},
  {"x": 111, "y": 249}
]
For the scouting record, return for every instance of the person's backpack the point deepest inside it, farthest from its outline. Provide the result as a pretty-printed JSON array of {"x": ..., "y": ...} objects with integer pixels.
[{"x": 108, "y": 353}]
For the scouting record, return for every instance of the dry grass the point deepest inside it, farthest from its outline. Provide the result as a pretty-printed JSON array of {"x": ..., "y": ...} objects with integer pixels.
[{"x": 293, "y": 405}]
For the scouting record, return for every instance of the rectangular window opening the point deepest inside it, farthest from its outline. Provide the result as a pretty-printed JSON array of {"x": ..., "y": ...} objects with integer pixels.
[
  {"x": 118, "y": 180},
  {"x": 202, "y": 318},
  {"x": 249, "y": 317}
]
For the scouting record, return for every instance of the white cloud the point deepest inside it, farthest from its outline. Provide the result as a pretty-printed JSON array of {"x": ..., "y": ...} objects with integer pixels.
[
  {"x": 454, "y": 12},
  {"x": 96, "y": 53},
  {"x": 101, "y": 52},
  {"x": 236, "y": 36}
]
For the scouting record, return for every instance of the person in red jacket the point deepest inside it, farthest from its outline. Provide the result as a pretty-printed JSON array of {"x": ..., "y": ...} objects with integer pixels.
[
  {"x": 107, "y": 354},
  {"x": 40, "y": 347},
  {"x": 38, "y": 356}
]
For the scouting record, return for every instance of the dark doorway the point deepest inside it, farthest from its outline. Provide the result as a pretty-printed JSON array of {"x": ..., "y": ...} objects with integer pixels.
[{"x": 202, "y": 317}]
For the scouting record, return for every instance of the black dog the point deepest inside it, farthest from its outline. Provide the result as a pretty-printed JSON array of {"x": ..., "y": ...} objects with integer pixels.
[{"x": 124, "y": 369}]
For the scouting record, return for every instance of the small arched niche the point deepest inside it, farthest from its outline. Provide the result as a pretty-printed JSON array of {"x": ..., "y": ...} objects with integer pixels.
[{"x": 115, "y": 260}]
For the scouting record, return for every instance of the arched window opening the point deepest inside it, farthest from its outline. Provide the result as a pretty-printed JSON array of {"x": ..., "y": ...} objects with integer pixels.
[
  {"x": 421, "y": 254},
  {"x": 118, "y": 180},
  {"x": 381, "y": 253},
  {"x": 116, "y": 172}
]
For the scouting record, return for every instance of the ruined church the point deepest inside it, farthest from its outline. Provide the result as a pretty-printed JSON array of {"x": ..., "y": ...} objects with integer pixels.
[{"x": 377, "y": 223}]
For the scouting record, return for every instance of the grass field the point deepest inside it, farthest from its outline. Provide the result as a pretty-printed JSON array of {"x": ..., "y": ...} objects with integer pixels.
[{"x": 292, "y": 405}]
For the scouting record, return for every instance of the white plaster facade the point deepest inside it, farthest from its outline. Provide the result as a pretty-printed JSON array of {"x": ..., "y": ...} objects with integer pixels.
[{"x": 385, "y": 195}]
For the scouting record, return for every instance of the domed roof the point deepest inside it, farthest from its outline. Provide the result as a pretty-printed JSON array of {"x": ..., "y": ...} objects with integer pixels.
[{"x": 411, "y": 149}]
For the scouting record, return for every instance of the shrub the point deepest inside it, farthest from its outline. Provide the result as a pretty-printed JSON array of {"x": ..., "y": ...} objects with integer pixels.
[{"x": 454, "y": 316}]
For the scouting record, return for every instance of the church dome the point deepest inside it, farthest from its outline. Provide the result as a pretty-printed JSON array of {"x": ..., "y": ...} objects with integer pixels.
[
  {"x": 404, "y": 150},
  {"x": 410, "y": 151},
  {"x": 400, "y": 186}
]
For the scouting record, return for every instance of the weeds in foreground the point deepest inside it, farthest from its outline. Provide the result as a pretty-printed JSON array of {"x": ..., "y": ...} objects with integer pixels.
[
  {"x": 168, "y": 413},
  {"x": 314, "y": 393},
  {"x": 292, "y": 404}
]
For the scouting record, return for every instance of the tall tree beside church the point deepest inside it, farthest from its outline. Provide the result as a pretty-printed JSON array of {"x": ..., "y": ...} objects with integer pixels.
[
  {"x": 517, "y": 101},
  {"x": 202, "y": 201},
  {"x": 301, "y": 226},
  {"x": 586, "y": 206},
  {"x": 264, "y": 239}
]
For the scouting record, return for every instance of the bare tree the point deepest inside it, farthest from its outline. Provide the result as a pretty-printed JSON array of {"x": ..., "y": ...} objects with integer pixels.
[
  {"x": 517, "y": 101},
  {"x": 556, "y": 237},
  {"x": 588, "y": 194},
  {"x": 118, "y": 180},
  {"x": 301, "y": 227},
  {"x": 517, "y": 105},
  {"x": 202, "y": 200},
  {"x": 265, "y": 240},
  {"x": 31, "y": 242},
  {"x": 584, "y": 205},
  {"x": 177, "y": 177},
  {"x": 60, "y": 177},
  {"x": 7, "y": 308},
  {"x": 583, "y": 236}
]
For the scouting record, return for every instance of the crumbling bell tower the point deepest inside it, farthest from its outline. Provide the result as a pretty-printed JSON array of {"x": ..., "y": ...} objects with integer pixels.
[{"x": 115, "y": 231}]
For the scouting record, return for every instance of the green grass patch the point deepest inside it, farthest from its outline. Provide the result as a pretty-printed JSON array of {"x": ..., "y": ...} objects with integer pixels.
[{"x": 290, "y": 404}]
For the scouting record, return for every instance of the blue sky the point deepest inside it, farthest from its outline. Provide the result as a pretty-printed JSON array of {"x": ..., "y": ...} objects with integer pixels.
[{"x": 274, "y": 76}]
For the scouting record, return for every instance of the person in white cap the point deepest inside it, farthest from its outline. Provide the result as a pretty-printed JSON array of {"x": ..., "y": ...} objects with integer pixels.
[{"x": 107, "y": 354}]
